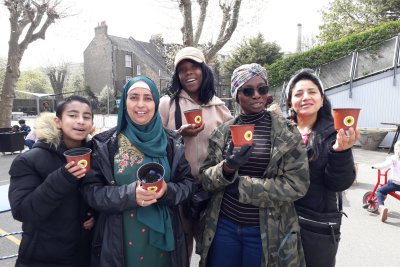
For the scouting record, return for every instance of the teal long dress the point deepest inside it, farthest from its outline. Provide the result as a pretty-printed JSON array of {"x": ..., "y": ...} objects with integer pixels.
[{"x": 137, "y": 250}]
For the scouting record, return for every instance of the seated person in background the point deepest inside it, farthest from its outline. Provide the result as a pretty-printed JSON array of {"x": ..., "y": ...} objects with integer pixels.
[
  {"x": 393, "y": 184},
  {"x": 15, "y": 129},
  {"x": 24, "y": 128},
  {"x": 30, "y": 139}
]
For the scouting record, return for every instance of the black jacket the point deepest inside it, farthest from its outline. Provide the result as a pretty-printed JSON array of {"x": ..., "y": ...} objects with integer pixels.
[
  {"x": 45, "y": 197},
  {"x": 330, "y": 173},
  {"x": 110, "y": 200}
]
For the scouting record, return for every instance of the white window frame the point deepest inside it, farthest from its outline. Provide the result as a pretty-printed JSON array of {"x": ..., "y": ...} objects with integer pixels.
[{"x": 128, "y": 61}]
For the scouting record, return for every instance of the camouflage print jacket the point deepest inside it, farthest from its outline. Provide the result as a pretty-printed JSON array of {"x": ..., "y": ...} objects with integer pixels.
[{"x": 286, "y": 180}]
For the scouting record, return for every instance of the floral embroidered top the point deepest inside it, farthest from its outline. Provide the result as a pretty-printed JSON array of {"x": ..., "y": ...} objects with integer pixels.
[{"x": 137, "y": 250}]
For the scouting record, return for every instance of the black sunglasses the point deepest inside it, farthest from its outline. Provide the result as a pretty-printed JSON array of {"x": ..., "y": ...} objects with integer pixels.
[{"x": 250, "y": 91}]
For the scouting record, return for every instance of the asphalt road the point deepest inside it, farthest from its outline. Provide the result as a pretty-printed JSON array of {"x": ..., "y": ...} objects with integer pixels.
[{"x": 366, "y": 241}]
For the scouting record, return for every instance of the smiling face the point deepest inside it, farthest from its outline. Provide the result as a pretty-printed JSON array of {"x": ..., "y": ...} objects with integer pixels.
[
  {"x": 255, "y": 103},
  {"x": 190, "y": 76},
  {"x": 76, "y": 122},
  {"x": 306, "y": 98},
  {"x": 140, "y": 105}
]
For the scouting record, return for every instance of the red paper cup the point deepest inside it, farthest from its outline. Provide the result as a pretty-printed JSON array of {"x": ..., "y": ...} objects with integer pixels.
[
  {"x": 151, "y": 176},
  {"x": 344, "y": 118},
  {"x": 242, "y": 134},
  {"x": 194, "y": 116},
  {"x": 80, "y": 155}
]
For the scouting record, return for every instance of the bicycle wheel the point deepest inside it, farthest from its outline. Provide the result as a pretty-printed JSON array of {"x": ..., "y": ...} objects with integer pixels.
[{"x": 370, "y": 202}]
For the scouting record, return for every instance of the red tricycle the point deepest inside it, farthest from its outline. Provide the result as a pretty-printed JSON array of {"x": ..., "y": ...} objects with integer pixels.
[{"x": 370, "y": 201}]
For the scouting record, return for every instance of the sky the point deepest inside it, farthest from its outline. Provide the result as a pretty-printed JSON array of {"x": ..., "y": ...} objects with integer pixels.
[{"x": 67, "y": 39}]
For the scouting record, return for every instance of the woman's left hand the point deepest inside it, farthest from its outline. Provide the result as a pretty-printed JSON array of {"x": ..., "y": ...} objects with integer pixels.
[
  {"x": 89, "y": 223},
  {"x": 343, "y": 141}
]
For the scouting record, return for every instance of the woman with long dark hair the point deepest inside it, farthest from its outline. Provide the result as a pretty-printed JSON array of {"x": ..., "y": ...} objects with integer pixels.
[
  {"x": 192, "y": 87},
  {"x": 331, "y": 167}
]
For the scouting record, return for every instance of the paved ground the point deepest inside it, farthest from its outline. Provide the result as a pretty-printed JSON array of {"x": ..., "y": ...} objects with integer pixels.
[{"x": 365, "y": 240}]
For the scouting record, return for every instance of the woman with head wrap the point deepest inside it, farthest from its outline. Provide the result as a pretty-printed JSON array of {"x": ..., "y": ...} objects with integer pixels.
[
  {"x": 138, "y": 227},
  {"x": 251, "y": 214},
  {"x": 331, "y": 166}
]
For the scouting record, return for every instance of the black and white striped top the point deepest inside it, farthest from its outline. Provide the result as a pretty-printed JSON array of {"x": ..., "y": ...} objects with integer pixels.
[{"x": 231, "y": 208}]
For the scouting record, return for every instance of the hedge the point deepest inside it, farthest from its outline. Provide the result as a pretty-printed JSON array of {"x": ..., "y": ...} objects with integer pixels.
[{"x": 281, "y": 70}]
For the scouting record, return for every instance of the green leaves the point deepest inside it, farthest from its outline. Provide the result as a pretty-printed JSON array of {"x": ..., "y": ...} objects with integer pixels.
[
  {"x": 254, "y": 50},
  {"x": 346, "y": 17},
  {"x": 283, "y": 69}
]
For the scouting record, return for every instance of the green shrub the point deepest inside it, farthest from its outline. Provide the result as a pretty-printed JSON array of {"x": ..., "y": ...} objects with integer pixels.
[{"x": 283, "y": 69}]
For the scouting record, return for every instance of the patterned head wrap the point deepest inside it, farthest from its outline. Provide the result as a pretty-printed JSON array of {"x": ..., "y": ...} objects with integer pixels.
[{"x": 244, "y": 73}]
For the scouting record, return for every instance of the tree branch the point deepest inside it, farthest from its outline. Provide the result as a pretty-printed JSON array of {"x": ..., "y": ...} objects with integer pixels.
[
  {"x": 233, "y": 21},
  {"x": 200, "y": 22},
  {"x": 185, "y": 6}
]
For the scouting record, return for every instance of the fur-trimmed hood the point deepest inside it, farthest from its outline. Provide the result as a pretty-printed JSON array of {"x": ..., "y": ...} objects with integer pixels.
[{"x": 46, "y": 129}]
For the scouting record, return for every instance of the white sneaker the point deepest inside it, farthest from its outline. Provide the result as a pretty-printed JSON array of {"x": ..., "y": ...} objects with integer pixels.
[{"x": 383, "y": 211}]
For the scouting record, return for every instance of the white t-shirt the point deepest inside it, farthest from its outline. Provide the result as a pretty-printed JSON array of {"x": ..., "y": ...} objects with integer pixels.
[{"x": 392, "y": 162}]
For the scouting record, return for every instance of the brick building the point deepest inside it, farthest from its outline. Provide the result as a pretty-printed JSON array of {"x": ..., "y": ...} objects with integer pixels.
[{"x": 111, "y": 60}]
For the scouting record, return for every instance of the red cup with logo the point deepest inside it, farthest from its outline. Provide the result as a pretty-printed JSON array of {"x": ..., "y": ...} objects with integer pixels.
[
  {"x": 194, "y": 116},
  {"x": 80, "y": 155},
  {"x": 344, "y": 118},
  {"x": 242, "y": 134},
  {"x": 151, "y": 176}
]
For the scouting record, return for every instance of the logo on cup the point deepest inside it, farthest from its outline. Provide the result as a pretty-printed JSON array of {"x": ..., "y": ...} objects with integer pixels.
[{"x": 348, "y": 121}]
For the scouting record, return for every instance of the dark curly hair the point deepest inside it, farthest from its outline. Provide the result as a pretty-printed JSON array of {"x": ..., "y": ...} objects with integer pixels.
[{"x": 207, "y": 88}]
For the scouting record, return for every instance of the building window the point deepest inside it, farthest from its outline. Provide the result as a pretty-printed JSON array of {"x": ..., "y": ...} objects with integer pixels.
[
  {"x": 128, "y": 61},
  {"x": 127, "y": 78},
  {"x": 138, "y": 70}
]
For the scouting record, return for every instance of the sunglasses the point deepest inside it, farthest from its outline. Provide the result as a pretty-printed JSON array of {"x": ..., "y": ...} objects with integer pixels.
[{"x": 250, "y": 91}]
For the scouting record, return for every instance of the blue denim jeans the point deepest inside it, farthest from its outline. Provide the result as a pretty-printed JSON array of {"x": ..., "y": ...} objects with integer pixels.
[
  {"x": 382, "y": 191},
  {"x": 235, "y": 246},
  {"x": 29, "y": 143}
]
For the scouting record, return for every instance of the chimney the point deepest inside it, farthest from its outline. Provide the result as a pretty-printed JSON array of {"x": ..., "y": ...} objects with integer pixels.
[
  {"x": 298, "y": 49},
  {"x": 101, "y": 29}
]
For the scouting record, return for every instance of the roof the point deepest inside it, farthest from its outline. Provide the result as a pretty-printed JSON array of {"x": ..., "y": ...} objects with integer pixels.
[{"x": 144, "y": 50}]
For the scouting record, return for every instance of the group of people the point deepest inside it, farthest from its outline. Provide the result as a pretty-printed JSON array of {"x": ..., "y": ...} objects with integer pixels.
[{"x": 262, "y": 197}]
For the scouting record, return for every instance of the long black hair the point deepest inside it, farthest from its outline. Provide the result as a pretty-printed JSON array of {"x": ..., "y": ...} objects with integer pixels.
[
  {"x": 207, "y": 88},
  {"x": 324, "y": 113}
]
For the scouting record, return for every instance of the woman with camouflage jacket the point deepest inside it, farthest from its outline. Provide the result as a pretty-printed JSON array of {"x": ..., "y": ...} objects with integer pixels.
[{"x": 251, "y": 214}]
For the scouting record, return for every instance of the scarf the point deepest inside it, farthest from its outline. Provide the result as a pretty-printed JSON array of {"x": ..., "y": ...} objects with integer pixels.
[{"x": 152, "y": 141}]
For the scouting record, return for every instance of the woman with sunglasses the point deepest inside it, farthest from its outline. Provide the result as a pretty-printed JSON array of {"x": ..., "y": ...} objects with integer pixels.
[{"x": 251, "y": 214}]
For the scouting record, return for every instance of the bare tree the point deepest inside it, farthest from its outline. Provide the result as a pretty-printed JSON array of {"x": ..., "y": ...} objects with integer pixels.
[
  {"x": 57, "y": 76},
  {"x": 190, "y": 36},
  {"x": 29, "y": 21}
]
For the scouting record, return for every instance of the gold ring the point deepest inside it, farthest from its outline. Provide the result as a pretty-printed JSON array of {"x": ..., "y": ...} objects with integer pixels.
[{"x": 143, "y": 202}]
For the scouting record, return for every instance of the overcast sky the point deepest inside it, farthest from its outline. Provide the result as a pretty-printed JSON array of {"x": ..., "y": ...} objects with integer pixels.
[{"x": 67, "y": 39}]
